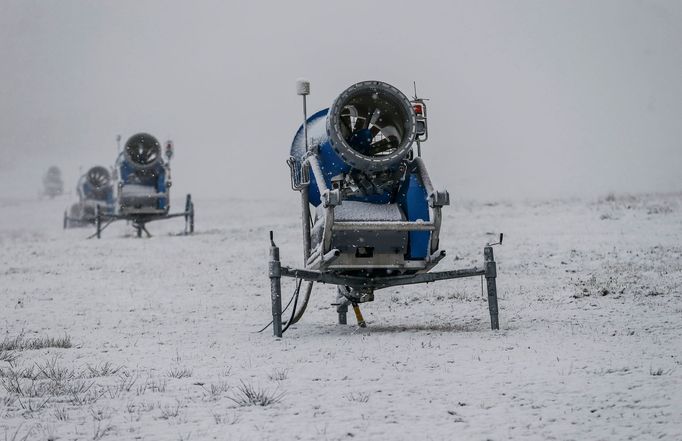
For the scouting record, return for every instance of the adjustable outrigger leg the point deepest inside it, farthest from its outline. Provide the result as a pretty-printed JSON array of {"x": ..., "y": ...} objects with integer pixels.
[
  {"x": 490, "y": 276},
  {"x": 140, "y": 227},
  {"x": 98, "y": 221},
  {"x": 275, "y": 272},
  {"x": 189, "y": 215},
  {"x": 342, "y": 310}
]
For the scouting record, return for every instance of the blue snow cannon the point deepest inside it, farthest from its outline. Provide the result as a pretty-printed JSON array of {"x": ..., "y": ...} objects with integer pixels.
[
  {"x": 95, "y": 191},
  {"x": 97, "y": 186},
  {"x": 143, "y": 177},
  {"x": 364, "y": 169},
  {"x": 371, "y": 217},
  {"x": 144, "y": 184}
]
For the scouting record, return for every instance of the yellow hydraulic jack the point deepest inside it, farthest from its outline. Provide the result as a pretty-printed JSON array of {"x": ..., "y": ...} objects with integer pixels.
[
  {"x": 358, "y": 316},
  {"x": 342, "y": 310}
]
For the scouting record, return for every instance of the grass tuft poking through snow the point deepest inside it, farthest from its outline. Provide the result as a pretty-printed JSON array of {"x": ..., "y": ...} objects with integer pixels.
[
  {"x": 177, "y": 372},
  {"x": 21, "y": 343},
  {"x": 215, "y": 390},
  {"x": 279, "y": 374},
  {"x": 8, "y": 356},
  {"x": 359, "y": 397},
  {"x": 170, "y": 411},
  {"x": 248, "y": 394}
]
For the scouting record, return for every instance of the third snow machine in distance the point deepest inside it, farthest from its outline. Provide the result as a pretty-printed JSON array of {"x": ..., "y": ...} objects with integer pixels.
[
  {"x": 144, "y": 183},
  {"x": 371, "y": 217},
  {"x": 95, "y": 189},
  {"x": 53, "y": 185}
]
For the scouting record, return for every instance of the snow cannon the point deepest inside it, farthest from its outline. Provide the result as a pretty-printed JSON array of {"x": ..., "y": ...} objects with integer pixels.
[
  {"x": 95, "y": 189},
  {"x": 96, "y": 184},
  {"x": 53, "y": 185},
  {"x": 360, "y": 153},
  {"x": 144, "y": 182},
  {"x": 371, "y": 216},
  {"x": 143, "y": 177}
]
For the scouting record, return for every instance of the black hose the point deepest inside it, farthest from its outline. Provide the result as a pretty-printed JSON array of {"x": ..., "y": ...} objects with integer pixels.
[
  {"x": 293, "y": 310},
  {"x": 306, "y": 298},
  {"x": 295, "y": 295}
]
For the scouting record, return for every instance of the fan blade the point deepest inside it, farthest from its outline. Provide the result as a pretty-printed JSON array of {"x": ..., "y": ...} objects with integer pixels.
[
  {"x": 391, "y": 138},
  {"x": 347, "y": 115},
  {"x": 375, "y": 117},
  {"x": 390, "y": 132},
  {"x": 373, "y": 128},
  {"x": 361, "y": 122},
  {"x": 379, "y": 146},
  {"x": 345, "y": 124}
]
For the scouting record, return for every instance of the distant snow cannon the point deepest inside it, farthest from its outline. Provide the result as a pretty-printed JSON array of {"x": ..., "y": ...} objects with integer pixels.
[
  {"x": 144, "y": 177},
  {"x": 144, "y": 183},
  {"x": 371, "y": 216},
  {"x": 95, "y": 189},
  {"x": 96, "y": 184},
  {"x": 53, "y": 185}
]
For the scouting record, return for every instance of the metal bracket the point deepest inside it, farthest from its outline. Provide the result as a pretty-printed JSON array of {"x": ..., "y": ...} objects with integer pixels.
[
  {"x": 300, "y": 175},
  {"x": 439, "y": 198},
  {"x": 331, "y": 198}
]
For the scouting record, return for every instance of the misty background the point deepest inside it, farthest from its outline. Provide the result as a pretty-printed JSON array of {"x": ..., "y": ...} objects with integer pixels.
[{"x": 528, "y": 99}]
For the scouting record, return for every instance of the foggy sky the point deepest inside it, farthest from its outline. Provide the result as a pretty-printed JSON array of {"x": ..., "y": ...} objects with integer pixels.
[{"x": 528, "y": 99}]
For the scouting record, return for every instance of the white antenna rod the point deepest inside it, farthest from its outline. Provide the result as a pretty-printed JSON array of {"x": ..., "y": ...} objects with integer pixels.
[{"x": 303, "y": 89}]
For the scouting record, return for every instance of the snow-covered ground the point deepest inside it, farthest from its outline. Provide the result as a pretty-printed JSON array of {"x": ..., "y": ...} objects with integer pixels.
[{"x": 163, "y": 330}]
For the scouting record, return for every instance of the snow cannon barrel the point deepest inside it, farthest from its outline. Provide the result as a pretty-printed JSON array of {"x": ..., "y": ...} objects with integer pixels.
[
  {"x": 142, "y": 151},
  {"x": 369, "y": 129},
  {"x": 96, "y": 184},
  {"x": 371, "y": 126},
  {"x": 98, "y": 177}
]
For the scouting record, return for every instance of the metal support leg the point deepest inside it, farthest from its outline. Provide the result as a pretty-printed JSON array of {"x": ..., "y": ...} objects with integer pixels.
[
  {"x": 490, "y": 275},
  {"x": 305, "y": 220},
  {"x": 342, "y": 303},
  {"x": 189, "y": 215},
  {"x": 191, "y": 219},
  {"x": 342, "y": 309},
  {"x": 275, "y": 273},
  {"x": 98, "y": 221}
]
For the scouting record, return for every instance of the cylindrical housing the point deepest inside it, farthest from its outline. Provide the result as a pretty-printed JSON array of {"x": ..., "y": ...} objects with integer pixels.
[
  {"x": 96, "y": 184},
  {"x": 98, "y": 177},
  {"x": 370, "y": 127},
  {"x": 142, "y": 151}
]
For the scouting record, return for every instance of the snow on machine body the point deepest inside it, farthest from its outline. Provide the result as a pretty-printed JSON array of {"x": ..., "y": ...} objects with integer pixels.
[
  {"x": 144, "y": 184},
  {"x": 371, "y": 216},
  {"x": 95, "y": 189}
]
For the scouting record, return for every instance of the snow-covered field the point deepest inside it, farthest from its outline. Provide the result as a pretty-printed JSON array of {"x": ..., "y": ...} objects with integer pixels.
[{"x": 163, "y": 330}]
